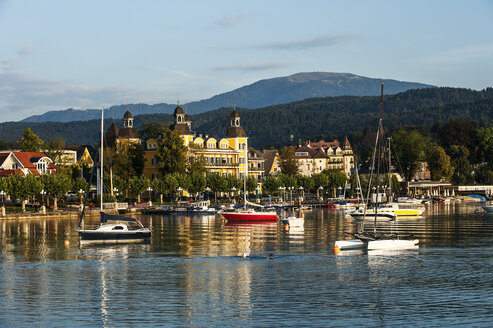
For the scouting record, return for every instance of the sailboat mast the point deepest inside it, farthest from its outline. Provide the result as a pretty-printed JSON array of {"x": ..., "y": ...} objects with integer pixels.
[
  {"x": 245, "y": 179},
  {"x": 390, "y": 171},
  {"x": 377, "y": 145},
  {"x": 101, "y": 159}
]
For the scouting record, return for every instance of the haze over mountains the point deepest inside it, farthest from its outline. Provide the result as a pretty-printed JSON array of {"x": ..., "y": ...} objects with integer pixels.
[{"x": 263, "y": 93}]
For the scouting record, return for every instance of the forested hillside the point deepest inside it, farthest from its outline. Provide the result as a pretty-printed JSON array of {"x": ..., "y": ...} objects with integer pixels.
[{"x": 303, "y": 119}]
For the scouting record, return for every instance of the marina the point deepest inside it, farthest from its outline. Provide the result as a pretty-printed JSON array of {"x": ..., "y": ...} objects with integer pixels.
[{"x": 197, "y": 270}]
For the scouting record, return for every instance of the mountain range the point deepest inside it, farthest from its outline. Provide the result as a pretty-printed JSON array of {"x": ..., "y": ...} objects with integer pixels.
[{"x": 268, "y": 92}]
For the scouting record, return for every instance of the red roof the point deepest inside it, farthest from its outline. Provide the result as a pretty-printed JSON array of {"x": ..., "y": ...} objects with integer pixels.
[{"x": 4, "y": 173}]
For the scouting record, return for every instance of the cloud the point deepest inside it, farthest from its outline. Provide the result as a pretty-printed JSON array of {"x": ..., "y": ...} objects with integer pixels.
[
  {"x": 23, "y": 95},
  {"x": 230, "y": 21},
  {"x": 459, "y": 55},
  {"x": 323, "y": 41},
  {"x": 252, "y": 66}
]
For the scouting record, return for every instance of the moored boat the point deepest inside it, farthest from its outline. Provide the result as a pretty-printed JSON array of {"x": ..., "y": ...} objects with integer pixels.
[
  {"x": 124, "y": 230},
  {"x": 249, "y": 214}
]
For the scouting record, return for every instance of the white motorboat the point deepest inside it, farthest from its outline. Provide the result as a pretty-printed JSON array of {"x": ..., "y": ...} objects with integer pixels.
[
  {"x": 124, "y": 230},
  {"x": 294, "y": 221}
]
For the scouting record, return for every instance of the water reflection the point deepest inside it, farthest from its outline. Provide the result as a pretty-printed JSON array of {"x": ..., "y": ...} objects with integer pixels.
[{"x": 193, "y": 273}]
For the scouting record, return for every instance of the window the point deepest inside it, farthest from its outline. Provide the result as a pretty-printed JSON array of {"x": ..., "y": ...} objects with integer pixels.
[
  {"x": 154, "y": 160},
  {"x": 301, "y": 153},
  {"x": 15, "y": 166},
  {"x": 41, "y": 167}
]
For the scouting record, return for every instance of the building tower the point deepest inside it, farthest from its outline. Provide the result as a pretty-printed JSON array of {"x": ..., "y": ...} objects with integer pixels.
[{"x": 238, "y": 141}]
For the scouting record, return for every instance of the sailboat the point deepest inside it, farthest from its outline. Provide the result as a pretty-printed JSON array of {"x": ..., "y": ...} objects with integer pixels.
[
  {"x": 122, "y": 230},
  {"x": 374, "y": 240},
  {"x": 248, "y": 214}
]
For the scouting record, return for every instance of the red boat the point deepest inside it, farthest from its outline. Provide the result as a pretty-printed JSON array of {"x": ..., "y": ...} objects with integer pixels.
[{"x": 249, "y": 215}]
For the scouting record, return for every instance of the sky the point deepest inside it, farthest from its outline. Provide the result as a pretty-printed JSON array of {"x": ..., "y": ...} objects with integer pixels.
[{"x": 91, "y": 54}]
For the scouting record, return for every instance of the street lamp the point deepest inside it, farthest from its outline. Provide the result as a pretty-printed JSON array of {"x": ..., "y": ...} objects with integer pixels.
[
  {"x": 320, "y": 190},
  {"x": 301, "y": 192},
  {"x": 281, "y": 191},
  {"x": 291, "y": 194},
  {"x": 233, "y": 194},
  {"x": 80, "y": 194},
  {"x": 149, "y": 190},
  {"x": 2, "y": 193},
  {"x": 179, "y": 191},
  {"x": 339, "y": 191},
  {"x": 258, "y": 193},
  {"x": 207, "y": 189},
  {"x": 43, "y": 193}
]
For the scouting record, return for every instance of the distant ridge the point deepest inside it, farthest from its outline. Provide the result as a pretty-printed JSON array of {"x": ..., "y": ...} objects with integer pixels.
[
  {"x": 328, "y": 116},
  {"x": 275, "y": 91}
]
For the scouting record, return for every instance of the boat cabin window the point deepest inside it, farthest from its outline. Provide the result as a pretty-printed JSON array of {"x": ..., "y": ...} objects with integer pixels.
[{"x": 118, "y": 228}]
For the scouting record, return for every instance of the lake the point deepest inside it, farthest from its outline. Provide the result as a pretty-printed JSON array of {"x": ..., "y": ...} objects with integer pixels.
[{"x": 192, "y": 273}]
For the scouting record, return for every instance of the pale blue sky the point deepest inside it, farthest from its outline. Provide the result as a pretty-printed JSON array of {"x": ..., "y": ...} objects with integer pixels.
[{"x": 88, "y": 54}]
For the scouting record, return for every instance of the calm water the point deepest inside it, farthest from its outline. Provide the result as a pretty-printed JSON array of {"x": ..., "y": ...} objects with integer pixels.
[{"x": 192, "y": 274}]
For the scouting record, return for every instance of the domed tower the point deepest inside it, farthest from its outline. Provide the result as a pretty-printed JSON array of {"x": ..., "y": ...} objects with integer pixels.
[
  {"x": 235, "y": 129},
  {"x": 182, "y": 125},
  {"x": 128, "y": 120},
  {"x": 238, "y": 140},
  {"x": 128, "y": 133}
]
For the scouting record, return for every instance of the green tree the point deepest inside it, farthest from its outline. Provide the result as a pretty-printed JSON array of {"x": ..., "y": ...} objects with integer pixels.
[
  {"x": 171, "y": 153},
  {"x": 56, "y": 186},
  {"x": 462, "y": 168},
  {"x": 197, "y": 183},
  {"x": 270, "y": 185},
  {"x": 195, "y": 162},
  {"x": 484, "y": 138},
  {"x": 335, "y": 179},
  {"x": 439, "y": 164},
  {"x": 171, "y": 183},
  {"x": 217, "y": 183},
  {"x": 288, "y": 162},
  {"x": 306, "y": 182},
  {"x": 151, "y": 130},
  {"x": 410, "y": 147},
  {"x": 30, "y": 141},
  {"x": 320, "y": 180},
  {"x": 127, "y": 161},
  {"x": 160, "y": 187},
  {"x": 251, "y": 184},
  {"x": 78, "y": 185},
  {"x": 138, "y": 184},
  {"x": 484, "y": 175}
]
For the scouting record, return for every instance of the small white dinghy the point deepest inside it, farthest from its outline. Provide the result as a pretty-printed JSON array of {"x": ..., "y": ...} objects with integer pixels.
[
  {"x": 349, "y": 244},
  {"x": 293, "y": 221},
  {"x": 392, "y": 244}
]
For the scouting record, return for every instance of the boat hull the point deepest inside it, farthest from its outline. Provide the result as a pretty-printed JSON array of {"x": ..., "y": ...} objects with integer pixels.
[
  {"x": 371, "y": 216},
  {"x": 109, "y": 237},
  {"x": 488, "y": 208},
  {"x": 247, "y": 216},
  {"x": 392, "y": 244}
]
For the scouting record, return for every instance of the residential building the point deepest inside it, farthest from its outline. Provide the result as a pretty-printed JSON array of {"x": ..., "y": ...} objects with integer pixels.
[
  {"x": 272, "y": 162},
  {"x": 423, "y": 172},
  {"x": 314, "y": 157},
  {"x": 20, "y": 162}
]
